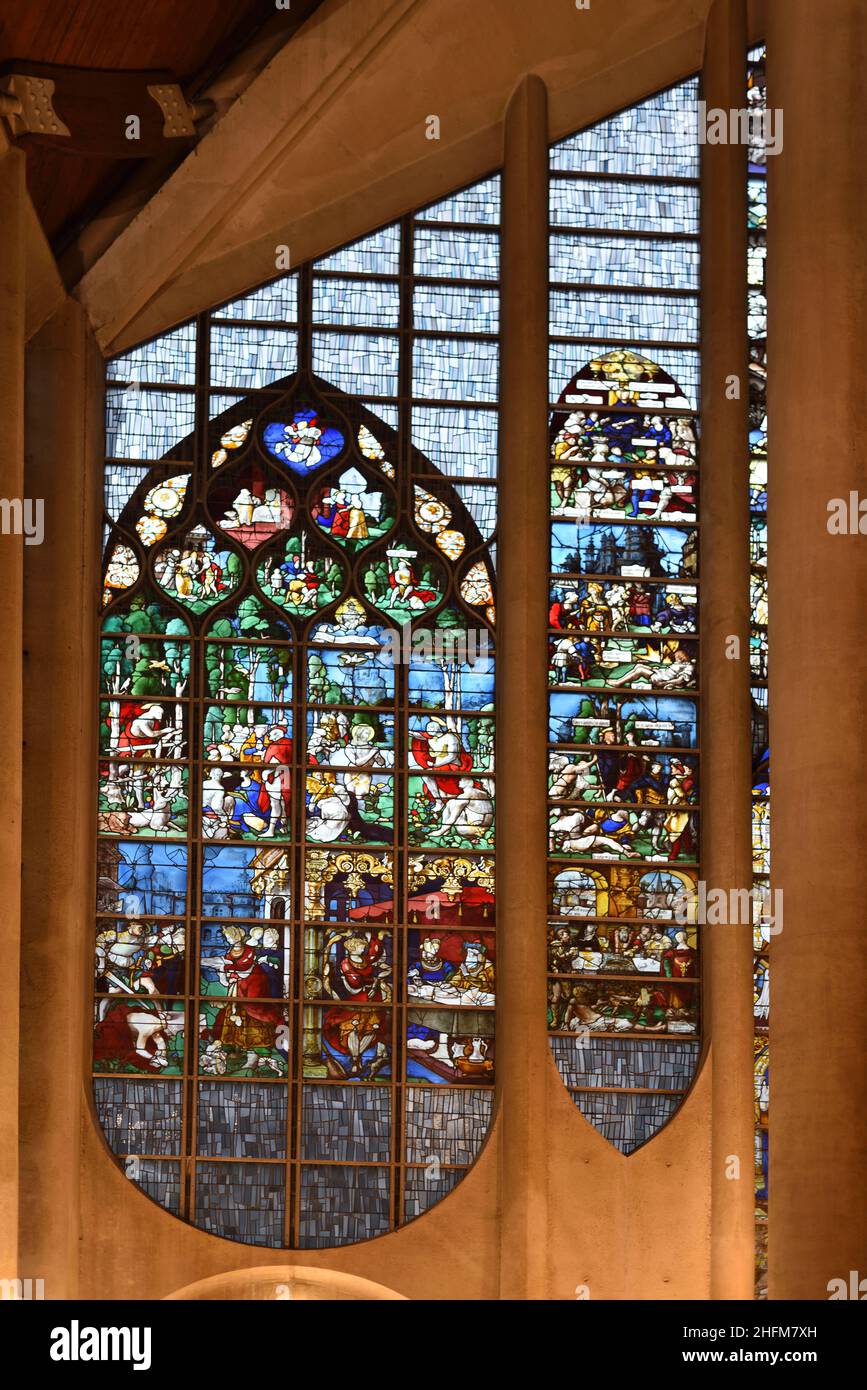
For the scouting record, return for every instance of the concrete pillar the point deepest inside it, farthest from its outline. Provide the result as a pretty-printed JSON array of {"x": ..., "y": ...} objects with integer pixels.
[
  {"x": 13, "y": 194},
  {"x": 817, "y": 305},
  {"x": 522, "y": 1043},
  {"x": 725, "y": 678},
  {"x": 61, "y": 598}
]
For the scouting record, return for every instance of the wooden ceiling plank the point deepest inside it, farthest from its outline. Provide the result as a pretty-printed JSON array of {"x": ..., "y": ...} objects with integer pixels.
[
  {"x": 106, "y": 35},
  {"x": 65, "y": 21},
  {"x": 227, "y": 76}
]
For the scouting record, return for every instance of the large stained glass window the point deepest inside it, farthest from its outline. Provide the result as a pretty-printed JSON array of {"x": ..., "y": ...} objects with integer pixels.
[
  {"x": 757, "y": 318},
  {"x": 295, "y": 935},
  {"x": 624, "y": 992}
]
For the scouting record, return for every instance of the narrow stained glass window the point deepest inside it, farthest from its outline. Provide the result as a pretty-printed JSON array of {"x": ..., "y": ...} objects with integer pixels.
[
  {"x": 623, "y": 950},
  {"x": 295, "y": 929},
  {"x": 761, "y": 808}
]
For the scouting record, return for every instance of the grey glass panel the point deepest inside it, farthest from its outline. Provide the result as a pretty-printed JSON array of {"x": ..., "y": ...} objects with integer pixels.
[
  {"x": 349, "y": 1123},
  {"x": 618, "y": 260},
  {"x": 169, "y": 358},
  {"x": 456, "y": 309},
  {"x": 241, "y": 1120},
  {"x": 637, "y": 317},
  {"x": 139, "y": 1117},
  {"x": 252, "y": 357},
  {"x": 277, "y": 301},
  {"x": 373, "y": 255},
  {"x": 460, "y": 443},
  {"x": 481, "y": 203},
  {"x": 388, "y": 413},
  {"x": 342, "y": 1205},
  {"x": 589, "y": 1061},
  {"x": 360, "y": 363},
  {"x": 159, "y": 1180},
  {"x": 457, "y": 255},
  {"x": 626, "y": 1121},
  {"x": 446, "y": 1125},
  {"x": 363, "y": 303},
  {"x": 757, "y": 319},
  {"x": 241, "y": 1201},
  {"x": 145, "y": 424},
  {"x": 637, "y": 207},
  {"x": 220, "y": 401},
  {"x": 424, "y": 1187},
  {"x": 659, "y": 136},
  {"x": 481, "y": 503},
  {"x": 446, "y": 369},
  {"x": 120, "y": 482}
]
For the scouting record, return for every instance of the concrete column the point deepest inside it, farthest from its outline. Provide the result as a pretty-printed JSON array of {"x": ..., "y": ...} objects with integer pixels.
[
  {"x": 61, "y": 598},
  {"x": 13, "y": 194},
  {"x": 522, "y": 1043},
  {"x": 817, "y": 408},
  {"x": 725, "y": 678}
]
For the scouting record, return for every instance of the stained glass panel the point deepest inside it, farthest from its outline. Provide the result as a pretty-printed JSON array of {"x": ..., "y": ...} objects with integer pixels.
[
  {"x": 761, "y": 806},
  {"x": 623, "y": 653},
  {"x": 295, "y": 949}
]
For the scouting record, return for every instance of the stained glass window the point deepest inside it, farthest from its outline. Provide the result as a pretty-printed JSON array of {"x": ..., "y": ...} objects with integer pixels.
[
  {"x": 295, "y": 945},
  {"x": 761, "y": 807},
  {"x": 623, "y": 948}
]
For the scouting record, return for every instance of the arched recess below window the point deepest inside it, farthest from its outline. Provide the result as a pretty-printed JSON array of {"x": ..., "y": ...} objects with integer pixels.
[
  {"x": 294, "y": 1008},
  {"x": 623, "y": 949},
  {"x": 285, "y": 1283}
]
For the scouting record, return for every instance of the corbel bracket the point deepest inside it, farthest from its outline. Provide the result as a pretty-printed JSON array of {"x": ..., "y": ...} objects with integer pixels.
[{"x": 113, "y": 115}]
